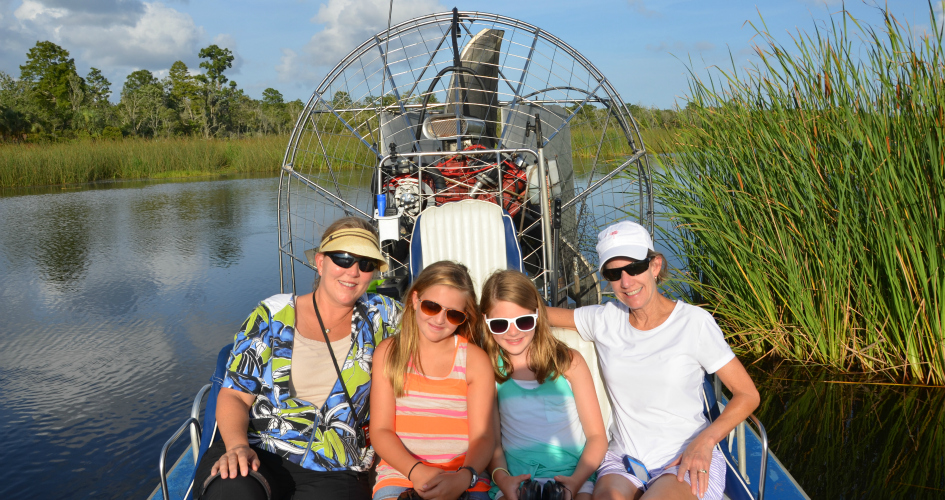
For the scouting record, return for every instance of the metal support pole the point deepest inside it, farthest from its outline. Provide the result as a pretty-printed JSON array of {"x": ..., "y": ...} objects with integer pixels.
[
  {"x": 556, "y": 227},
  {"x": 742, "y": 452},
  {"x": 545, "y": 216}
]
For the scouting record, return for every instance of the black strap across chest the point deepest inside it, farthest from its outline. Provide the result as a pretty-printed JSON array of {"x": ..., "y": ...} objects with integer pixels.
[{"x": 359, "y": 431}]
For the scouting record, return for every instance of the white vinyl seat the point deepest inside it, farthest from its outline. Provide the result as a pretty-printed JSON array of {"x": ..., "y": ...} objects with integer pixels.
[
  {"x": 476, "y": 233},
  {"x": 573, "y": 339}
]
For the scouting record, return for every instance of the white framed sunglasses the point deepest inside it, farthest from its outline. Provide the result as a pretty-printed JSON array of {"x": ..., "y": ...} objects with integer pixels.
[{"x": 524, "y": 323}]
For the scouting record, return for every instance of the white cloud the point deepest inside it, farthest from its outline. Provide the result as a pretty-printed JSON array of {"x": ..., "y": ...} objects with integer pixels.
[
  {"x": 287, "y": 63},
  {"x": 34, "y": 11},
  {"x": 110, "y": 33},
  {"x": 347, "y": 23},
  {"x": 703, "y": 46}
]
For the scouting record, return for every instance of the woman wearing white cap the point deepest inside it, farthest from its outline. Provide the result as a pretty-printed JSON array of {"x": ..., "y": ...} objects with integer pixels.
[
  {"x": 654, "y": 354},
  {"x": 294, "y": 403}
]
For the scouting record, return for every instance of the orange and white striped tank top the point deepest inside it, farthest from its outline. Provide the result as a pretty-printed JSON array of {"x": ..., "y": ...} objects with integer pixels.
[{"x": 430, "y": 421}]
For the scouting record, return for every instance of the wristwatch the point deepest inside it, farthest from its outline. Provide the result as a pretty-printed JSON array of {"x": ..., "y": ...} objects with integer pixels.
[{"x": 475, "y": 476}]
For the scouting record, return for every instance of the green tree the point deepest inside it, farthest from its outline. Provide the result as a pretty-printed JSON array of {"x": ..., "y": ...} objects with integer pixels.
[
  {"x": 217, "y": 61},
  {"x": 273, "y": 116},
  {"x": 243, "y": 115},
  {"x": 49, "y": 70},
  {"x": 138, "y": 80},
  {"x": 99, "y": 87},
  {"x": 341, "y": 100},
  {"x": 213, "y": 93},
  {"x": 272, "y": 97},
  {"x": 92, "y": 112},
  {"x": 183, "y": 96},
  {"x": 18, "y": 107},
  {"x": 142, "y": 102}
]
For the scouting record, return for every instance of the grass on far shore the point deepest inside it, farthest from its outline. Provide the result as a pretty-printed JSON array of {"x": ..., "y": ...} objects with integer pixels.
[{"x": 24, "y": 165}]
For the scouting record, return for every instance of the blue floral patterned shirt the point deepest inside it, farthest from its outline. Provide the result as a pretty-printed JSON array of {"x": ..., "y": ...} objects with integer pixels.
[{"x": 324, "y": 438}]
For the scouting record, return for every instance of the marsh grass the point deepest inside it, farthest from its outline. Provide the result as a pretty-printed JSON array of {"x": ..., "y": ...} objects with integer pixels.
[
  {"x": 810, "y": 199},
  {"x": 88, "y": 161},
  {"x": 23, "y": 165}
]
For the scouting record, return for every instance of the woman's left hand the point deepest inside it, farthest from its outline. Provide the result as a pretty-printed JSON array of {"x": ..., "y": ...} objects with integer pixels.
[
  {"x": 572, "y": 483},
  {"x": 696, "y": 459},
  {"x": 448, "y": 486}
]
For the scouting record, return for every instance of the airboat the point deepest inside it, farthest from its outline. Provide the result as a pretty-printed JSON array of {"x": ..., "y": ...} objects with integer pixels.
[{"x": 486, "y": 140}]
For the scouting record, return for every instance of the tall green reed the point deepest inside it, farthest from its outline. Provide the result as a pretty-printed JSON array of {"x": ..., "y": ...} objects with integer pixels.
[{"x": 809, "y": 198}]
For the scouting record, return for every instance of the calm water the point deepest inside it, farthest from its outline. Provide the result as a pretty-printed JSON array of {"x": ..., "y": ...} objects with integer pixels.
[
  {"x": 116, "y": 299},
  {"x": 114, "y": 303}
]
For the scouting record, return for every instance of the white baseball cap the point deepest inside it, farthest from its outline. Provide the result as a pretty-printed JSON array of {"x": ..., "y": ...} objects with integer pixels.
[{"x": 623, "y": 239}]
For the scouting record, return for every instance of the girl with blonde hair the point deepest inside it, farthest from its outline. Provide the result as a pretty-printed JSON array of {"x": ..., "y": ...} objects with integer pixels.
[
  {"x": 552, "y": 431},
  {"x": 432, "y": 394}
]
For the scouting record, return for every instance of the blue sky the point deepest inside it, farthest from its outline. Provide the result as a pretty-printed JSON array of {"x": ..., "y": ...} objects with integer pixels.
[{"x": 642, "y": 46}]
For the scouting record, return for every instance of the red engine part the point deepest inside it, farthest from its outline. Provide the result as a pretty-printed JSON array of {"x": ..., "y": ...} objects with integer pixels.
[{"x": 464, "y": 177}]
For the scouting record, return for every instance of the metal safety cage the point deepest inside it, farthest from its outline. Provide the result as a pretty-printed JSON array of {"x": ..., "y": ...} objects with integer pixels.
[{"x": 429, "y": 109}]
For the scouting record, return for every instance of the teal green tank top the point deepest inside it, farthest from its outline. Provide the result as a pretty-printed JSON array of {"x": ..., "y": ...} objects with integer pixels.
[{"x": 541, "y": 431}]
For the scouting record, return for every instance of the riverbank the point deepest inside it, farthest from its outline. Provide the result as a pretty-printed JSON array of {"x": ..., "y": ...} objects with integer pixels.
[
  {"x": 23, "y": 165},
  {"x": 59, "y": 163}
]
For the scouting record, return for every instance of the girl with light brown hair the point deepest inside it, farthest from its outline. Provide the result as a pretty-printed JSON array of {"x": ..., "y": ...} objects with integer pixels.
[{"x": 552, "y": 431}]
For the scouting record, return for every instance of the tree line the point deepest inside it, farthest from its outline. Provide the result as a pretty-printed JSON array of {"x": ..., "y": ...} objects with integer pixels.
[{"x": 51, "y": 101}]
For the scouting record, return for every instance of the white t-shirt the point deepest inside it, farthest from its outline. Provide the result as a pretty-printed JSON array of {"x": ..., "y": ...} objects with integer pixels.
[{"x": 654, "y": 377}]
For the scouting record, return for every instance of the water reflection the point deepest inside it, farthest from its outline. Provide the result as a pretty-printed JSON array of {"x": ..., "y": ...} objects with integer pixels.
[
  {"x": 854, "y": 441},
  {"x": 113, "y": 302}
]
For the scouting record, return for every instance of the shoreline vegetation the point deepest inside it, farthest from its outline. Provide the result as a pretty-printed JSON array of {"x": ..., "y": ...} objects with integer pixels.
[
  {"x": 57, "y": 127},
  {"x": 91, "y": 160},
  {"x": 32, "y": 165},
  {"x": 809, "y": 196}
]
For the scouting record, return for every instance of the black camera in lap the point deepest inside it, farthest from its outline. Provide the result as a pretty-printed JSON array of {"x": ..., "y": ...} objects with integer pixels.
[{"x": 534, "y": 490}]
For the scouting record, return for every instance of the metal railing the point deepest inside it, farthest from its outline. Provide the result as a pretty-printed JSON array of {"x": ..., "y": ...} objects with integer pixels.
[{"x": 191, "y": 423}]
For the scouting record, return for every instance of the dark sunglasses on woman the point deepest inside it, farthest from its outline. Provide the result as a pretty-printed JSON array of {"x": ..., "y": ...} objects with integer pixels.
[
  {"x": 345, "y": 260},
  {"x": 632, "y": 269},
  {"x": 524, "y": 323},
  {"x": 431, "y": 308}
]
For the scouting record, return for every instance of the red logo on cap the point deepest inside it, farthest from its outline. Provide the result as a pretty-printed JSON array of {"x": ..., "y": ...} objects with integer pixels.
[{"x": 614, "y": 233}]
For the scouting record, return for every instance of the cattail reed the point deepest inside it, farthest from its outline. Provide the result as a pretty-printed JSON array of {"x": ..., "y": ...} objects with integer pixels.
[{"x": 809, "y": 199}]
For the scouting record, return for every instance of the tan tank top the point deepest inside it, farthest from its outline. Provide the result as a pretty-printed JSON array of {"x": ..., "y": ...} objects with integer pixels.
[{"x": 312, "y": 375}]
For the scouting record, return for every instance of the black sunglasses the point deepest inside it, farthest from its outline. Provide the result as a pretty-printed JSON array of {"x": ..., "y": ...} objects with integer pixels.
[
  {"x": 524, "y": 323},
  {"x": 431, "y": 308},
  {"x": 632, "y": 269},
  {"x": 346, "y": 260}
]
